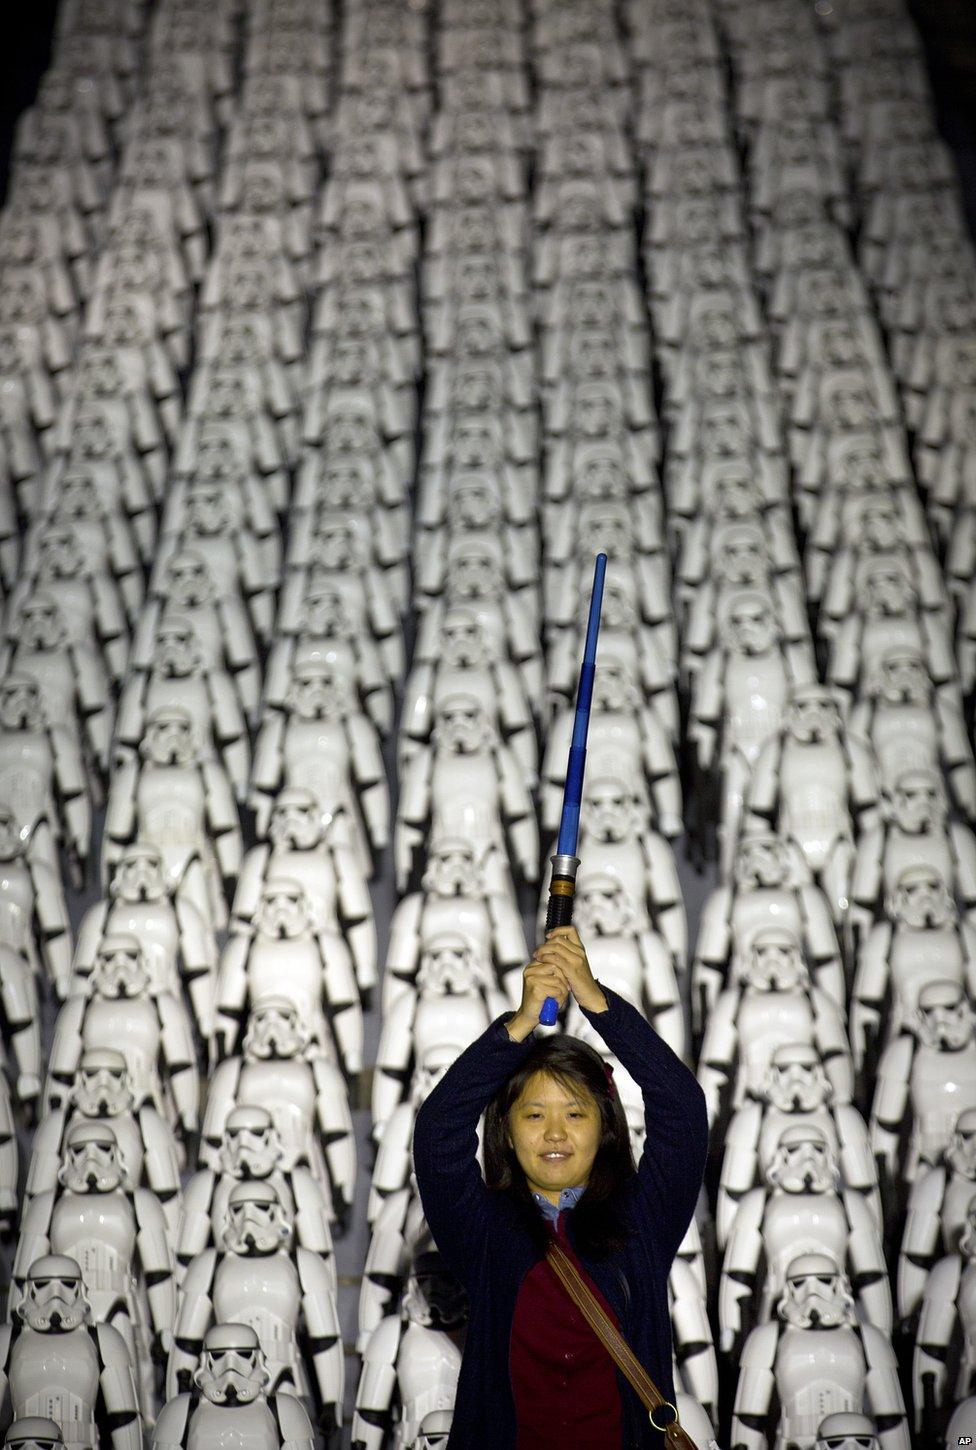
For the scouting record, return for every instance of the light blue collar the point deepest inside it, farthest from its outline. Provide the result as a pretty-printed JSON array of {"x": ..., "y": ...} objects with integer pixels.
[{"x": 568, "y": 1198}]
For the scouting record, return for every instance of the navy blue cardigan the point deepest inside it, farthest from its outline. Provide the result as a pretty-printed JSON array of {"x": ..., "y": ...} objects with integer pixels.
[{"x": 482, "y": 1239}]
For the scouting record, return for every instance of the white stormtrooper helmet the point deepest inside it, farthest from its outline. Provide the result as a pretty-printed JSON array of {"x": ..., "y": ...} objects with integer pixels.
[
  {"x": 812, "y": 714},
  {"x": 102, "y": 1088},
  {"x": 176, "y": 649},
  {"x": 619, "y": 608},
  {"x": 803, "y": 1161},
  {"x": 139, "y": 875},
  {"x": 433, "y": 1297},
  {"x": 326, "y": 614},
  {"x": 188, "y": 580},
  {"x": 317, "y": 692},
  {"x": 296, "y": 819},
  {"x": 54, "y": 1299},
  {"x": 256, "y": 1221},
  {"x": 21, "y": 706},
  {"x": 251, "y": 1145},
  {"x": 231, "y": 1370},
  {"x": 878, "y": 523},
  {"x": 611, "y": 809},
  {"x": 33, "y": 1433},
  {"x": 740, "y": 552},
  {"x": 119, "y": 969},
  {"x": 901, "y": 677},
  {"x": 773, "y": 962},
  {"x": 918, "y": 801},
  {"x": 847, "y": 1430},
  {"x": 764, "y": 860},
  {"x": 91, "y": 1161},
  {"x": 615, "y": 686},
  {"x": 884, "y": 586},
  {"x": 921, "y": 899},
  {"x": 796, "y": 1080},
  {"x": 449, "y": 965},
  {"x": 79, "y": 496},
  {"x": 605, "y": 525},
  {"x": 600, "y": 474},
  {"x": 603, "y": 907},
  {"x": 596, "y": 409},
  {"x": 170, "y": 737},
  {"x": 462, "y": 640},
  {"x": 944, "y": 1018},
  {"x": 60, "y": 554},
  {"x": 275, "y": 1029},
  {"x": 462, "y": 725},
  {"x": 41, "y": 623},
  {"x": 736, "y": 493},
  {"x": 961, "y": 1149},
  {"x": 453, "y": 868},
  {"x": 747, "y": 623},
  {"x": 816, "y": 1294},
  {"x": 207, "y": 509},
  {"x": 283, "y": 910}
]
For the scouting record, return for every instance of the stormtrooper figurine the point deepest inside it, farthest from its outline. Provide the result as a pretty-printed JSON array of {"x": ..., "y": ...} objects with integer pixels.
[
  {"x": 117, "y": 1008},
  {"x": 505, "y": 625},
  {"x": 324, "y": 742},
  {"x": 43, "y": 781},
  {"x": 796, "y": 1092},
  {"x": 938, "y": 1205},
  {"x": 33, "y": 1432},
  {"x": 285, "y": 1294},
  {"x": 118, "y": 1233},
  {"x": 304, "y": 1093},
  {"x": 947, "y": 1315},
  {"x": 815, "y": 785},
  {"x": 178, "y": 801},
  {"x": 769, "y": 1003},
  {"x": 921, "y": 937},
  {"x": 283, "y": 949},
  {"x": 101, "y": 1093},
  {"x": 20, "y": 1026},
  {"x": 928, "y": 1078},
  {"x": 54, "y": 1359},
  {"x": 251, "y": 1149},
  {"x": 770, "y": 885},
  {"x": 34, "y": 922},
  {"x": 466, "y": 783},
  {"x": 414, "y": 1356},
  {"x": 815, "y": 1357},
  {"x": 801, "y": 1209},
  {"x": 229, "y": 1405}
]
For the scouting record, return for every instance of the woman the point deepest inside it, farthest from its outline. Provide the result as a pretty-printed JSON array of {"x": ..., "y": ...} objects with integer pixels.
[{"x": 557, "y": 1159}]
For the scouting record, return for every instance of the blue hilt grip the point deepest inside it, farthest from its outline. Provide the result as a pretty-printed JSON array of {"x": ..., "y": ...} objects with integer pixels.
[{"x": 560, "y": 909}]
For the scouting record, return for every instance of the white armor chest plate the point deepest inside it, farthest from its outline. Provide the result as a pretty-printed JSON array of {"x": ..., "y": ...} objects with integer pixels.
[
  {"x": 17, "y": 907},
  {"x": 55, "y": 676},
  {"x": 314, "y": 872},
  {"x": 801, "y": 1223},
  {"x": 756, "y": 688},
  {"x": 624, "y": 861},
  {"x": 765, "y": 906},
  {"x": 942, "y": 1084},
  {"x": 616, "y": 733},
  {"x": 99, "y": 1231},
  {"x": 464, "y": 790},
  {"x": 618, "y": 963},
  {"x": 232, "y": 1427},
  {"x": 263, "y": 1292},
  {"x": 453, "y": 1020},
  {"x": 958, "y": 1195},
  {"x": 462, "y": 914},
  {"x": 287, "y": 1090},
  {"x": 428, "y": 1363},
  {"x": 905, "y": 737},
  {"x": 292, "y": 969},
  {"x": 918, "y": 957},
  {"x": 26, "y": 773},
  {"x": 818, "y": 1372},
  {"x": 153, "y": 923},
  {"x": 130, "y": 1025},
  {"x": 57, "y": 1375},
  {"x": 775, "y": 1121},
  {"x": 314, "y": 745},
  {"x": 765, "y": 1021},
  {"x": 928, "y": 848},
  {"x": 74, "y": 597},
  {"x": 814, "y": 793},
  {"x": 172, "y": 811}
]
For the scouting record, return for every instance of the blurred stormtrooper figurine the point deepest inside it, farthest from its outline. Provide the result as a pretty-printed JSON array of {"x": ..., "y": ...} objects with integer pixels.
[
  {"x": 284, "y": 950},
  {"x": 101, "y": 1093},
  {"x": 457, "y": 894},
  {"x": 300, "y": 847},
  {"x": 33, "y": 1432},
  {"x": 815, "y": 1357},
  {"x": 177, "y": 943},
  {"x": 118, "y": 1233},
  {"x": 304, "y": 1093},
  {"x": 117, "y": 1008},
  {"x": 20, "y": 1026},
  {"x": 796, "y": 1092},
  {"x": 414, "y": 1356},
  {"x": 256, "y": 1276},
  {"x": 769, "y": 1003},
  {"x": 928, "y": 1078},
  {"x": 938, "y": 1205},
  {"x": 53, "y": 1358},
  {"x": 43, "y": 781},
  {"x": 946, "y": 1317},
  {"x": 801, "y": 1209},
  {"x": 465, "y": 783},
  {"x": 229, "y": 1405},
  {"x": 251, "y": 1149},
  {"x": 324, "y": 742},
  {"x": 921, "y": 938},
  {"x": 182, "y": 803},
  {"x": 815, "y": 786},
  {"x": 770, "y": 885},
  {"x": 34, "y": 920}
]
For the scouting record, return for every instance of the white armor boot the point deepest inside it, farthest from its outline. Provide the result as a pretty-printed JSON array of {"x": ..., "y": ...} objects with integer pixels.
[
  {"x": 251, "y": 1149},
  {"x": 770, "y": 1003},
  {"x": 802, "y": 1209},
  {"x": 183, "y": 804},
  {"x": 815, "y": 1357},
  {"x": 796, "y": 1092},
  {"x": 928, "y": 1079},
  {"x": 923, "y": 937},
  {"x": 229, "y": 1405},
  {"x": 815, "y": 786},
  {"x": 413, "y": 1356},
  {"x": 33, "y": 1432},
  {"x": 946, "y": 1334},
  {"x": 101, "y": 1092},
  {"x": 54, "y": 1359},
  {"x": 300, "y": 847},
  {"x": 771, "y": 884},
  {"x": 304, "y": 1093},
  {"x": 34, "y": 918},
  {"x": 118, "y": 1009},
  {"x": 178, "y": 944},
  {"x": 936, "y": 1216},
  {"x": 256, "y": 1276},
  {"x": 456, "y": 894},
  {"x": 284, "y": 952}
]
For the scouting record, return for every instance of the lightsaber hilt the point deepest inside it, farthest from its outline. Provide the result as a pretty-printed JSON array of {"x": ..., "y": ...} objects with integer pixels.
[{"x": 565, "y": 863}]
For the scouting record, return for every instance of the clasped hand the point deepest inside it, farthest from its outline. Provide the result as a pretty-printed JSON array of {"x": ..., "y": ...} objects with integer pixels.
[{"x": 559, "y": 966}]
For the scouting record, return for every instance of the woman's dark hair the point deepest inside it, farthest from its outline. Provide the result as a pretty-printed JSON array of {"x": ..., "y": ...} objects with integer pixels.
[{"x": 597, "y": 1219}]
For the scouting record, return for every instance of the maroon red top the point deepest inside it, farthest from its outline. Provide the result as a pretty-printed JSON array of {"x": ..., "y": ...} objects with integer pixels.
[{"x": 564, "y": 1382}]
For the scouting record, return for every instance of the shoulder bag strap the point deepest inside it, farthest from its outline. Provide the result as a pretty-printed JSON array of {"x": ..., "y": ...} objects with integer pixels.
[{"x": 619, "y": 1350}]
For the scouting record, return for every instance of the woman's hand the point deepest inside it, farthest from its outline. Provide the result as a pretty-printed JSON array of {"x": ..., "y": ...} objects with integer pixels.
[
  {"x": 539, "y": 981},
  {"x": 565, "y": 953}
]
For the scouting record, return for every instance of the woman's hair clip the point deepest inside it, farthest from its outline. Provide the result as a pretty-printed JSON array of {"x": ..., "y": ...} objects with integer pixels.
[{"x": 608, "y": 1074}]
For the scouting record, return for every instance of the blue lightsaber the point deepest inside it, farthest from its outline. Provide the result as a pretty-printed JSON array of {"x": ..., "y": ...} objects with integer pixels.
[{"x": 565, "y": 863}]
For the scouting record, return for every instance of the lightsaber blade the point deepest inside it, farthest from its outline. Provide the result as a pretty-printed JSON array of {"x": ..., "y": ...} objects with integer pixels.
[{"x": 565, "y": 863}]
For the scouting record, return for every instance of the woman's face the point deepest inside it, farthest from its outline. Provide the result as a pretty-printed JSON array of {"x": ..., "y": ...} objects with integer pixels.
[{"x": 555, "y": 1132}]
